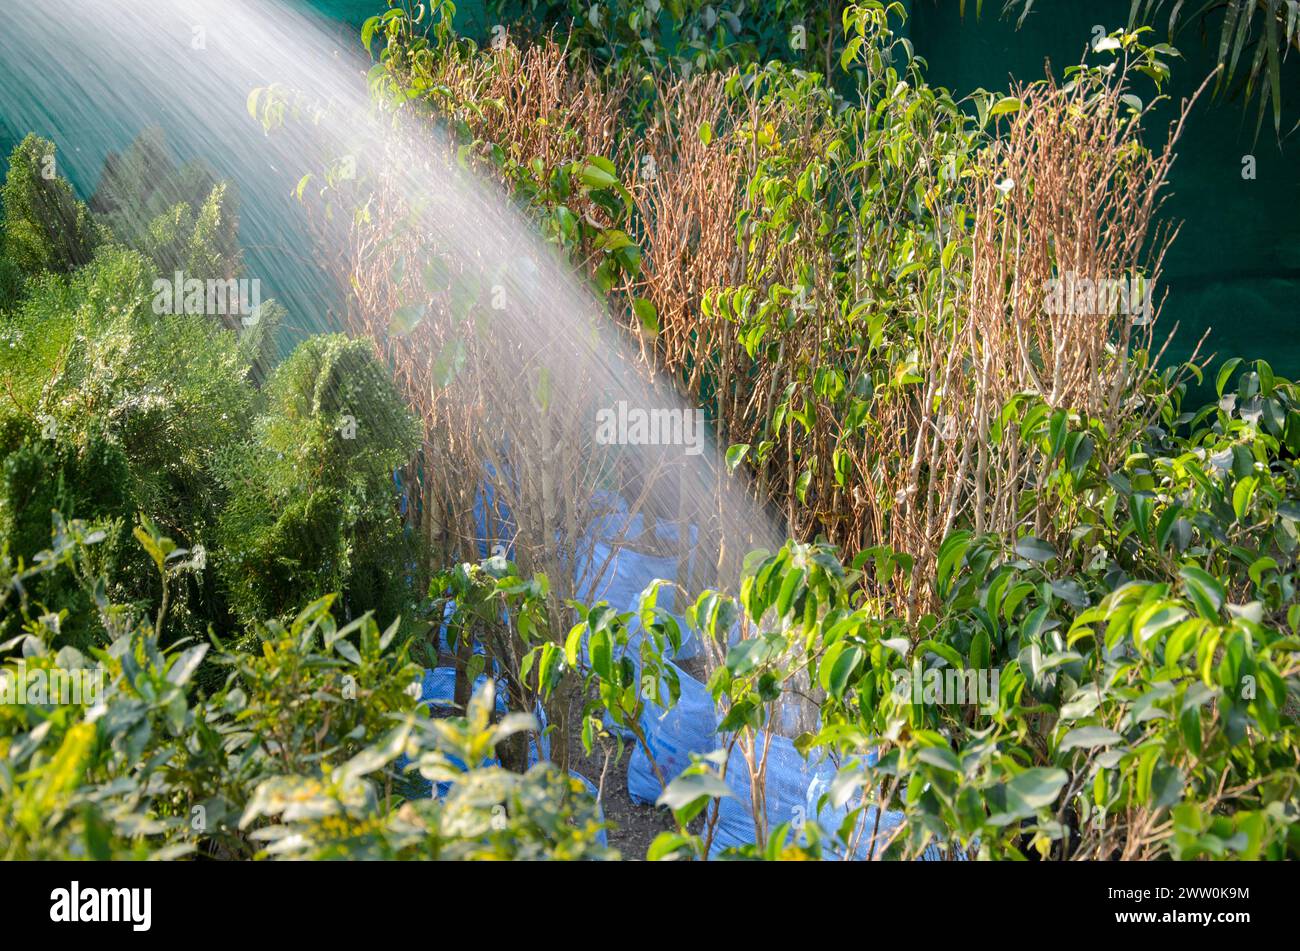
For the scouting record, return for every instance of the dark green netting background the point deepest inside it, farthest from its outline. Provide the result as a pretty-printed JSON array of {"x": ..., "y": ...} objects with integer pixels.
[{"x": 1235, "y": 267}]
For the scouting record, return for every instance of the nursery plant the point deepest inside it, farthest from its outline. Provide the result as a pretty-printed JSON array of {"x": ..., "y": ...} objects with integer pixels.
[{"x": 293, "y": 754}]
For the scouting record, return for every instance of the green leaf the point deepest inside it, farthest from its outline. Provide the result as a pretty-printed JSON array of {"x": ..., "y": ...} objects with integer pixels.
[
  {"x": 602, "y": 653},
  {"x": 1155, "y": 618},
  {"x": 842, "y": 665},
  {"x": 1088, "y": 737},
  {"x": 1005, "y": 105},
  {"x": 406, "y": 319},
  {"x": 980, "y": 651},
  {"x": 1166, "y": 786},
  {"x": 573, "y": 643},
  {"x": 598, "y": 173},
  {"x": 1242, "y": 494},
  {"x": 1267, "y": 380},
  {"x": 1034, "y": 548},
  {"x": 1082, "y": 703},
  {"x": 1204, "y": 590},
  {"x": 669, "y": 845},
  {"x": 646, "y": 315},
  {"x": 349, "y": 651},
  {"x": 950, "y": 555},
  {"x": 940, "y": 757},
  {"x": 736, "y": 454},
  {"x": 801, "y": 486},
  {"x": 684, "y": 790},
  {"x": 1225, "y": 372},
  {"x": 1036, "y": 788},
  {"x": 186, "y": 664},
  {"x": 149, "y": 546},
  {"x": 1259, "y": 566}
]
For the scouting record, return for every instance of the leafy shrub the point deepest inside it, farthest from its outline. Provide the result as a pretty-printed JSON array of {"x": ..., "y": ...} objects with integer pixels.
[
  {"x": 111, "y": 411},
  {"x": 488, "y": 813},
  {"x": 305, "y": 731},
  {"x": 1142, "y": 707},
  {"x": 42, "y": 476},
  {"x": 116, "y": 409},
  {"x": 45, "y": 227},
  {"x": 182, "y": 219},
  {"x": 631, "y": 40},
  {"x": 1125, "y": 580},
  {"x": 313, "y": 507}
]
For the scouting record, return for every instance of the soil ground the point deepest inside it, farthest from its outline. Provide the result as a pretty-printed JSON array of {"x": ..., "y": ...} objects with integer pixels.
[{"x": 634, "y": 826}]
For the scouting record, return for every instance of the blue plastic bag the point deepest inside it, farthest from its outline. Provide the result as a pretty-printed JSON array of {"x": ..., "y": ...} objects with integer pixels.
[
  {"x": 673, "y": 735},
  {"x": 788, "y": 778},
  {"x": 624, "y": 571}
]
